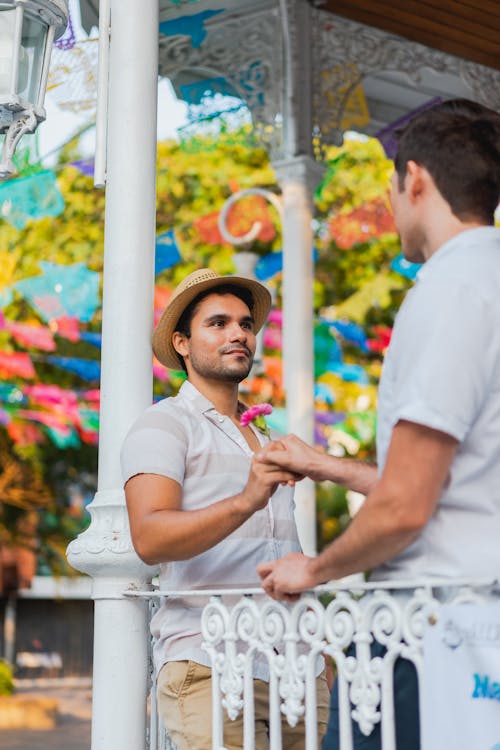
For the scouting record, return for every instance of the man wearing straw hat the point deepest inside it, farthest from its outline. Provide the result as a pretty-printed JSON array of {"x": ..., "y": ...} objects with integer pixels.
[{"x": 198, "y": 502}]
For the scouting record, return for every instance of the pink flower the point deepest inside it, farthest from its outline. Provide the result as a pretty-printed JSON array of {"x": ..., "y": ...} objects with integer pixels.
[
  {"x": 256, "y": 415},
  {"x": 255, "y": 411}
]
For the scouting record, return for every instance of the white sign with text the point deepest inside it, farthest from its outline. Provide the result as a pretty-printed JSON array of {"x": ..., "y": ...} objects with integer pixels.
[{"x": 461, "y": 679}]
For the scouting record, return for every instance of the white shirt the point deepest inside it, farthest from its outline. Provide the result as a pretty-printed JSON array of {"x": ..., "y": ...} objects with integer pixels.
[
  {"x": 442, "y": 370},
  {"x": 186, "y": 439}
]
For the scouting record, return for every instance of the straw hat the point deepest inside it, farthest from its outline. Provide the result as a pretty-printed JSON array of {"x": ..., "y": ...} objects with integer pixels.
[{"x": 184, "y": 294}]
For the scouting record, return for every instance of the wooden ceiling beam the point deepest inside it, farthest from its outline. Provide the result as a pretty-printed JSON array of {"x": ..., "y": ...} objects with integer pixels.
[
  {"x": 426, "y": 23},
  {"x": 445, "y": 19}
]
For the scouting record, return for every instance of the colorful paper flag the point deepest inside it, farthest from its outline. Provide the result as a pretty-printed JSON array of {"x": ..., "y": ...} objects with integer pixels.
[
  {"x": 28, "y": 335},
  {"x": 16, "y": 363},
  {"x": 191, "y": 26},
  {"x": 89, "y": 369},
  {"x": 30, "y": 198},
  {"x": 167, "y": 252},
  {"x": 71, "y": 291}
]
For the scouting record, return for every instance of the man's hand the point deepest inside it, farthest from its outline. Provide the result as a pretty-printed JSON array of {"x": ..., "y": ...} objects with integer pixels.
[
  {"x": 293, "y": 454},
  {"x": 285, "y": 579},
  {"x": 263, "y": 480}
]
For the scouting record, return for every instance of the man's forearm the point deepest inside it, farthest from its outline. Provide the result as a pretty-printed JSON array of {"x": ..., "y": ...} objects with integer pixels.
[
  {"x": 393, "y": 515},
  {"x": 294, "y": 454},
  {"x": 355, "y": 475},
  {"x": 167, "y": 535},
  {"x": 372, "y": 538},
  {"x": 162, "y": 531}
]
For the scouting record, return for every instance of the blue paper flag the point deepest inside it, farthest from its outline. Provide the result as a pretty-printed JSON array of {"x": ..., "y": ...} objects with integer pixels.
[
  {"x": 349, "y": 373},
  {"x": 29, "y": 198},
  {"x": 91, "y": 338},
  {"x": 71, "y": 291},
  {"x": 167, "y": 252},
  {"x": 192, "y": 26},
  {"x": 195, "y": 93},
  {"x": 351, "y": 332},
  {"x": 324, "y": 393},
  {"x": 271, "y": 264},
  {"x": 64, "y": 438},
  {"x": 89, "y": 369},
  {"x": 85, "y": 166},
  {"x": 404, "y": 267}
]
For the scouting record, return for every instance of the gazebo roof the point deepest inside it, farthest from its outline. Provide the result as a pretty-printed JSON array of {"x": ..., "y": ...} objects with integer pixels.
[
  {"x": 466, "y": 28},
  {"x": 405, "y": 54}
]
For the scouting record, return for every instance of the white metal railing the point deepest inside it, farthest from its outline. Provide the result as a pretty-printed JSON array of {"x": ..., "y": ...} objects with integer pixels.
[{"x": 326, "y": 621}]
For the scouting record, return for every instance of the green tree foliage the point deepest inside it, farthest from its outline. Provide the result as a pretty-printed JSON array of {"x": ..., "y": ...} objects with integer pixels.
[{"x": 6, "y": 679}]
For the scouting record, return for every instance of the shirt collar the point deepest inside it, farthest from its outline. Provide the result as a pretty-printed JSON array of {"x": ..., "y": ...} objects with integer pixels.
[
  {"x": 199, "y": 402},
  {"x": 473, "y": 236}
]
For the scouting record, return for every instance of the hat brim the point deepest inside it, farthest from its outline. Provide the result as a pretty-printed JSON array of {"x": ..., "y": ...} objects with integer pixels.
[{"x": 163, "y": 347}]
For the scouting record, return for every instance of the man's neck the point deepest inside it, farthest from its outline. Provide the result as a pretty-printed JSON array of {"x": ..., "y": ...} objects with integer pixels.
[
  {"x": 444, "y": 234},
  {"x": 223, "y": 395},
  {"x": 440, "y": 224}
]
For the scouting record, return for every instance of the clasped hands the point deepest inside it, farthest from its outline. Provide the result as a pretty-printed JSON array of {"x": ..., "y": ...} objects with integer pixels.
[{"x": 284, "y": 579}]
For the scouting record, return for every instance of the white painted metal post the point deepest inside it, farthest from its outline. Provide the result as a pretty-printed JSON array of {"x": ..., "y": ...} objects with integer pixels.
[
  {"x": 9, "y": 629},
  {"x": 297, "y": 176},
  {"x": 105, "y": 551}
]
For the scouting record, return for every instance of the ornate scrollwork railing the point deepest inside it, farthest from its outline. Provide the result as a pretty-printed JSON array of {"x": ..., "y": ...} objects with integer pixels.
[{"x": 289, "y": 640}]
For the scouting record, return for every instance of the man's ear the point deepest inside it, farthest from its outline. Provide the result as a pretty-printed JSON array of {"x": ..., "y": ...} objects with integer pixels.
[
  {"x": 179, "y": 341},
  {"x": 416, "y": 180}
]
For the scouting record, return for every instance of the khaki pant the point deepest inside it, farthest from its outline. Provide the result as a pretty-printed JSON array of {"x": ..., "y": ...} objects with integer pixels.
[{"x": 185, "y": 705}]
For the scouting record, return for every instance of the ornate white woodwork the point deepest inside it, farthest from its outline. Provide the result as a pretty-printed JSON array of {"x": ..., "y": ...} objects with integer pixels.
[
  {"x": 346, "y": 52},
  {"x": 296, "y": 66},
  {"x": 242, "y": 48}
]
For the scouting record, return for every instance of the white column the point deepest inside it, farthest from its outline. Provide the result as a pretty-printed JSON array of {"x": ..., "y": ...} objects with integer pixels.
[
  {"x": 297, "y": 176},
  {"x": 9, "y": 629},
  {"x": 244, "y": 263},
  {"x": 105, "y": 551}
]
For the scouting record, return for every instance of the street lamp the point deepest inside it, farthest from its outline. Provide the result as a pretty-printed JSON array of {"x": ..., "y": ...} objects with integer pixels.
[{"x": 27, "y": 31}]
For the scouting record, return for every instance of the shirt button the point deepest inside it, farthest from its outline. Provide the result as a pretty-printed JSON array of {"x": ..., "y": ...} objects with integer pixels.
[{"x": 221, "y": 419}]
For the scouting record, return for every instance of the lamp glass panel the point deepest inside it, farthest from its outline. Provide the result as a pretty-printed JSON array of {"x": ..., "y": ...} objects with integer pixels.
[
  {"x": 7, "y": 30},
  {"x": 33, "y": 40}
]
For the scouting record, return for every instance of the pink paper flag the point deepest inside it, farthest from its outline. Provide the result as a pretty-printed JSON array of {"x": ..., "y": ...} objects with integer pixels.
[
  {"x": 36, "y": 336},
  {"x": 16, "y": 363}
]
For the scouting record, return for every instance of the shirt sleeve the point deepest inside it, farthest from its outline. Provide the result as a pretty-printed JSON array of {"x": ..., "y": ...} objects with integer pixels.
[
  {"x": 156, "y": 444},
  {"x": 444, "y": 363}
]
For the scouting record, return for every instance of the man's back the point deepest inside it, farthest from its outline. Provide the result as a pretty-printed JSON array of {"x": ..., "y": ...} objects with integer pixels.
[{"x": 442, "y": 370}]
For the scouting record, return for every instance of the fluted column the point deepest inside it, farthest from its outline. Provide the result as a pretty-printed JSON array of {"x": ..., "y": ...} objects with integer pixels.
[{"x": 105, "y": 551}]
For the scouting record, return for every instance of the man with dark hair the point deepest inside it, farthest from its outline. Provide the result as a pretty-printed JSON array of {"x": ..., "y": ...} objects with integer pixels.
[
  {"x": 184, "y": 323},
  {"x": 200, "y": 505},
  {"x": 432, "y": 505}
]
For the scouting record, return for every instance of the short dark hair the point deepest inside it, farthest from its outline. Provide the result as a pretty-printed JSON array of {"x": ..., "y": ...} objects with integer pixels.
[
  {"x": 458, "y": 142},
  {"x": 184, "y": 323}
]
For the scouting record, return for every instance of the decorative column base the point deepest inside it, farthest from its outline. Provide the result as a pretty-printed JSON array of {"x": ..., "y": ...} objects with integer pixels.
[{"x": 105, "y": 552}]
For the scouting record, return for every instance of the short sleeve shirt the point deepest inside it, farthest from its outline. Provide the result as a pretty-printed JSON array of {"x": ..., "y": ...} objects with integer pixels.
[
  {"x": 186, "y": 439},
  {"x": 442, "y": 370}
]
